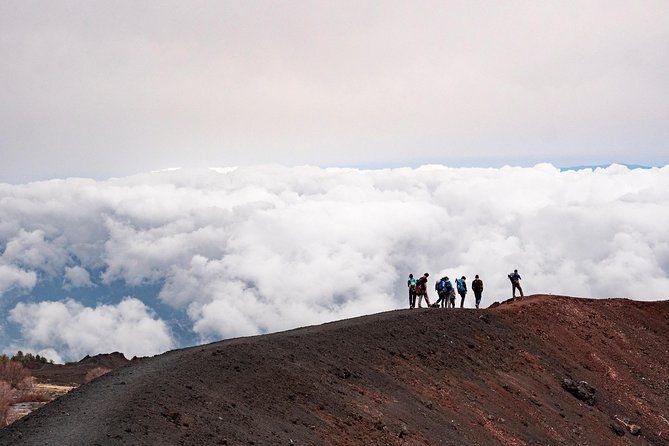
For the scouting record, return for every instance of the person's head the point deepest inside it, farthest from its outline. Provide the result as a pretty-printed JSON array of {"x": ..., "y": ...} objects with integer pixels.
[
  {"x": 515, "y": 270},
  {"x": 446, "y": 278},
  {"x": 410, "y": 276},
  {"x": 463, "y": 278},
  {"x": 427, "y": 274},
  {"x": 477, "y": 276}
]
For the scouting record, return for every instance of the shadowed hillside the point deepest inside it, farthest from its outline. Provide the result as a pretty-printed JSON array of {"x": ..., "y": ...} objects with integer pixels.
[
  {"x": 509, "y": 375},
  {"x": 74, "y": 373}
]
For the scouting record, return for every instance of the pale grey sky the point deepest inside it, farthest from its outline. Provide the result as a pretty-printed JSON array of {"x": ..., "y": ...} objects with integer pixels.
[{"x": 111, "y": 88}]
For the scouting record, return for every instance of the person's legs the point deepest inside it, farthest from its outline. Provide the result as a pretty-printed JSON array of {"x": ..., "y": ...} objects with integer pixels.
[
  {"x": 420, "y": 300},
  {"x": 477, "y": 295},
  {"x": 513, "y": 290},
  {"x": 520, "y": 288},
  {"x": 462, "y": 300},
  {"x": 412, "y": 298}
]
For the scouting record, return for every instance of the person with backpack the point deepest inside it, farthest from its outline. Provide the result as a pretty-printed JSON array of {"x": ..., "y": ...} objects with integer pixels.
[
  {"x": 421, "y": 290},
  {"x": 477, "y": 288},
  {"x": 449, "y": 293},
  {"x": 440, "y": 288},
  {"x": 462, "y": 289},
  {"x": 411, "y": 283},
  {"x": 514, "y": 277}
]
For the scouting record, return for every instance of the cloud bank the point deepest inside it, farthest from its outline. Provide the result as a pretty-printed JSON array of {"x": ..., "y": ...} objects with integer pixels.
[{"x": 256, "y": 249}]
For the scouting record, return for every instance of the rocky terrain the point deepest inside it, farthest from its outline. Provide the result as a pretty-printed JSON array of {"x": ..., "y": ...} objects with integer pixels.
[{"x": 546, "y": 370}]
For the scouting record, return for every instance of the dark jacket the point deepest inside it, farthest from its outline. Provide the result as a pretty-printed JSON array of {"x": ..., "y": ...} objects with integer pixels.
[{"x": 477, "y": 285}]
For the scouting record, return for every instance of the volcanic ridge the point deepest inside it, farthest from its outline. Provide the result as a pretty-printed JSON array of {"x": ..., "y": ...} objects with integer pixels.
[{"x": 545, "y": 370}]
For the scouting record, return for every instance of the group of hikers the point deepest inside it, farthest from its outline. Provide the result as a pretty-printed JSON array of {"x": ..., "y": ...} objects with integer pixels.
[{"x": 446, "y": 291}]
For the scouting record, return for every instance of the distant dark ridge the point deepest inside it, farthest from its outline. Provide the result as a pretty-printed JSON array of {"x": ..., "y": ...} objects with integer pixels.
[{"x": 74, "y": 373}]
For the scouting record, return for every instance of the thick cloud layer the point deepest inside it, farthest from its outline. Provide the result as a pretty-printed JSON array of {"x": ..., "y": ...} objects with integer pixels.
[{"x": 250, "y": 250}]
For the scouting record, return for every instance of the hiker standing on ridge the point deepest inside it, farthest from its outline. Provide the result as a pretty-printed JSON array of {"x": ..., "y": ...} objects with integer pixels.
[
  {"x": 477, "y": 288},
  {"x": 421, "y": 290},
  {"x": 440, "y": 288},
  {"x": 462, "y": 289},
  {"x": 448, "y": 293},
  {"x": 411, "y": 283},
  {"x": 514, "y": 277},
  {"x": 451, "y": 295}
]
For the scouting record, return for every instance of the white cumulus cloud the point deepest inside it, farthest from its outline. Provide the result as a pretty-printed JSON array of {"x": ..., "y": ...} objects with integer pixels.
[
  {"x": 256, "y": 249},
  {"x": 12, "y": 277},
  {"x": 70, "y": 329},
  {"x": 77, "y": 277}
]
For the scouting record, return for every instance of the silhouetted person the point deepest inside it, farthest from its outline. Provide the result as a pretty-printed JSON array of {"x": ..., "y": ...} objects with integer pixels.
[
  {"x": 477, "y": 288},
  {"x": 421, "y": 290},
  {"x": 411, "y": 283},
  {"x": 514, "y": 277},
  {"x": 462, "y": 289},
  {"x": 451, "y": 297}
]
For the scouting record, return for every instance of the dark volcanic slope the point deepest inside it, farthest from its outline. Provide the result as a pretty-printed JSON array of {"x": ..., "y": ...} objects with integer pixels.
[
  {"x": 74, "y": 373},
  {"x": 421, "y": 377}
]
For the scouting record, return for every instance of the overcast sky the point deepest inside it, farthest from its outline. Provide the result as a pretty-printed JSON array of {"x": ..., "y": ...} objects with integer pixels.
[{"x": 103, "y": 89}]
